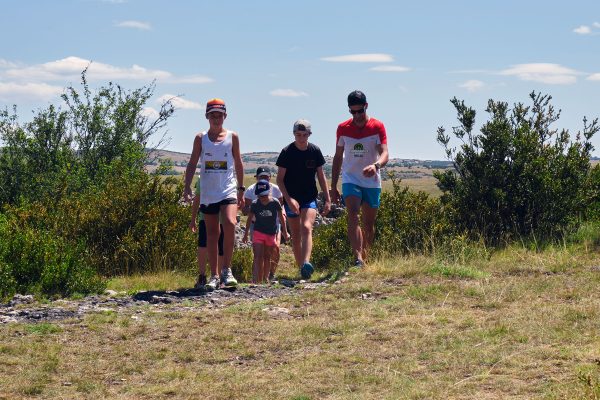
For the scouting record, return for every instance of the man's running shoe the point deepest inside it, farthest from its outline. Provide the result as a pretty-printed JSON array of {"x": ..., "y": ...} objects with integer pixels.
[
  {"x": 306, "y": 270},
  {"x": 359, "y": 263},
  {"x": 227, "y": 278},
  {"x": 213, "y": 283},
  {"x": 201, "y": 282}
]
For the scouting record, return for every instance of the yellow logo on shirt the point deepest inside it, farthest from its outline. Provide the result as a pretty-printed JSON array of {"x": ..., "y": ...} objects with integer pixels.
[{"x": 215, "y": 166}]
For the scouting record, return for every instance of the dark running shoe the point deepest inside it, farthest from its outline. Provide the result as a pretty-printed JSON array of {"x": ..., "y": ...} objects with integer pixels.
[
  {"x": 201, "y": 282},
  {"x": 306, "y": 270}
]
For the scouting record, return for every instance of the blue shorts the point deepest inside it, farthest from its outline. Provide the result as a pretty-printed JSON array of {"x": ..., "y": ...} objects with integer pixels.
[
  {"x": 309, "y": 204},
  {"x": 371, "y": 196}
]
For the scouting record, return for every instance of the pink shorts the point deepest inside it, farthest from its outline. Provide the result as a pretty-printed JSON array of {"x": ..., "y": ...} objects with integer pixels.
[{"x": 263, "y": 238}]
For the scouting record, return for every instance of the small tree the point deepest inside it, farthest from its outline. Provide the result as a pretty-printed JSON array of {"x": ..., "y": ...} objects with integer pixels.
[
  {"x": 518, "y": 176},
  {"x": 65, "y": 151}
]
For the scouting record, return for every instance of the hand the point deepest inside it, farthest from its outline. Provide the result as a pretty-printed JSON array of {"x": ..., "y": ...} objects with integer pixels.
[
  {"x": 240, "y": 199},
  {"x": 294, "y": 206},
  {"x": 193, "y": 226},
  {"x": 286, "y": 236},
  {"x": 326, "y": 208},
  {"x": 335, "y": 195},
  {"x": 369, "y": 170},
  {"x": 187, "y": 196}
]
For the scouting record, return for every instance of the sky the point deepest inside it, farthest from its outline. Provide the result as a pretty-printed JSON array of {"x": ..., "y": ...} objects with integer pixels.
[{"x": 274, "y": 62}]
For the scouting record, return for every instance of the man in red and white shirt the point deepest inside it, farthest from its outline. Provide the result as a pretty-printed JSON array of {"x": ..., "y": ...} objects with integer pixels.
[{"x": 361, "y": 151}]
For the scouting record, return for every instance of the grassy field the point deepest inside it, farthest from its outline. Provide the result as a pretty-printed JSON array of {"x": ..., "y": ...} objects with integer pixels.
[{"x": 515, "y": 325}]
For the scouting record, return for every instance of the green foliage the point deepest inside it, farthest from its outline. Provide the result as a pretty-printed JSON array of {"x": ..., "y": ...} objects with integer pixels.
[
  {"x": 331, "y": 249},
  {"x": 519, "y": 177},
  {"x": 37, "y": 261},
  {"x": 80, "y": 204},
  {"x": 409, "y": 222},
  {"x": 241, "y": 264},
  {"x": 62, "y": 152}
]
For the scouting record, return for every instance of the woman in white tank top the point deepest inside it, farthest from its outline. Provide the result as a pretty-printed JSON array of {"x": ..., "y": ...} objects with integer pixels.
[{"x": 221, "y": 168}]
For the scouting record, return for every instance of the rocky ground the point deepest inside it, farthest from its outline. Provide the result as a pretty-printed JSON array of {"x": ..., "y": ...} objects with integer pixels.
[{"x": 25, "y": 309}]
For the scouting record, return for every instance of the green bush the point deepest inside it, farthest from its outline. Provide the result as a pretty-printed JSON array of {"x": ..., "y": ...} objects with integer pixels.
[
  {"x": 331, "y": 252},
  {"x": 130, "y": 225},
  {"x": 519, "y": 178},
  {"x": 241, "y": 264},
  {"x": 37, "y": 261},
  {"x": 410, "y": 223}
]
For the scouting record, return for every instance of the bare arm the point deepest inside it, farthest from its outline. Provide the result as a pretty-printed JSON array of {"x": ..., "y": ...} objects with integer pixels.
[
  {"x": 246, "y": 206},
  {"x": 335, "y": 172},
  {"x": 383, "y": 158},
  {"x": 190, "y": 170},
  {"x": 239, "y": 166},
  {"x": 284, "y": 231},
  {"x": 324, "y": 189},
  {"x": 248, "y": 223},
  {"x": 195, "y": 207},
  {"x": 292, "y": 203}
]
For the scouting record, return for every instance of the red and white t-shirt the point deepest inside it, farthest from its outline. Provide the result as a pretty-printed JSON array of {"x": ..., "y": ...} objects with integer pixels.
[{"x": 360, "y": 150}]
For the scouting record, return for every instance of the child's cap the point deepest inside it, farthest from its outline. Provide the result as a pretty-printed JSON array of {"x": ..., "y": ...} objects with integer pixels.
[{"x": 262, "y": 188}]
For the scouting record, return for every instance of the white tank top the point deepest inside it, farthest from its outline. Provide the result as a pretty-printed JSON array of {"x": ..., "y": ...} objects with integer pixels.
[{"x": 217, "y": 172}]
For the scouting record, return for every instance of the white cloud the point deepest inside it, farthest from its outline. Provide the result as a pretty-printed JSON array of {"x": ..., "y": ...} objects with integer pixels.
[
  {"x": 583, "y": 30},
  {"x": 596, "y": 24},
  {"x": 390, "y": 68},
  {"x": 594, "y": 77},
  {"x": 150, "y": 112},
  {"x": 178, "y": 102},
  {"x": 370, "y": 58},
  {"x": 552, "y": 74},
  {"x": 10, "y": 91},
  {"x": 287, "y": 93},
  {"x": 7, "y": 64},
  {"x": 70, "y": 68},
  {"x": 145, "y": 26},
  {"x": 192, "y": 79},
  {"x": 472, "y": 85}
]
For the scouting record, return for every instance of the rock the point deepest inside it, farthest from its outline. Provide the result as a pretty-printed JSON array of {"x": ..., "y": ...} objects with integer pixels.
[
  {"x": 161, "y": 299},
  {"x": 287, "y": 283},
  {"x": 21, "y": 299},
  {"x": 278, "y": 312},
  {"x": 111, "y": 293}
]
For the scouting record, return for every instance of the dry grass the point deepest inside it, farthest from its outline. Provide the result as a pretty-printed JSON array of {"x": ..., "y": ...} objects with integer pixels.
[{"x": 521, "y": 325}]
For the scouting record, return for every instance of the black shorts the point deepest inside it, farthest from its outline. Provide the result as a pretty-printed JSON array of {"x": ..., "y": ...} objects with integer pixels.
[
  {"x": 202, "y": 236},
  {"x": 214, "y": 208}
]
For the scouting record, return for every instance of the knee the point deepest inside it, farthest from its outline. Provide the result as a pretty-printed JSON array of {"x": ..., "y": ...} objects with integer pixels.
[{"x": 306, "y": 229}]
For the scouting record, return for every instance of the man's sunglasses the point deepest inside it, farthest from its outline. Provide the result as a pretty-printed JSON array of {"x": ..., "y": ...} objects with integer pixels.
[{"x": 362, "y": 110}]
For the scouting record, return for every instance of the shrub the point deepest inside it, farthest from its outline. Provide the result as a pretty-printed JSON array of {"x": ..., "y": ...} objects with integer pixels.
[
  {"x": 331, "y": 249},
  {"x": 130, "y": 225},
  {"x": 37, "y": 261},
  {"x": 409, "y": 222},
  {"x": 241, "y": 264},
  {"x": 519, "y": 177}
]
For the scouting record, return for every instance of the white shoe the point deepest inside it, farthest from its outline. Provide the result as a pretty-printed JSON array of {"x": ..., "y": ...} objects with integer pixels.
[
  {"x": 227, "y": 278},
  {"x": 213, "y": 283}
]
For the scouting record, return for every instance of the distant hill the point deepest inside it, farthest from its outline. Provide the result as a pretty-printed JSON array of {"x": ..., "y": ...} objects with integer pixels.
[{"x": 405, "y": 168}]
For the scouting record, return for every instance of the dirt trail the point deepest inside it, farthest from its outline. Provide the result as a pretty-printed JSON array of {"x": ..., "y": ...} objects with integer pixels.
[{"x": 26, "y": 309}]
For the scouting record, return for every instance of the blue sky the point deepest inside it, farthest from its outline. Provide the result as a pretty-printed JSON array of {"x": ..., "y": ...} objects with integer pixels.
[{"x": 277, "y": 61}]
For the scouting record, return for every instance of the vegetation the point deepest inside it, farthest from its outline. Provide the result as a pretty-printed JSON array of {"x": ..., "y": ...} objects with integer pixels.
[
  {"x": 77, "y": 203},
  {"x": 520, "y": 177},
  {"x": 522, "y": 324},
  {"x": 487, "y": 291}
]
